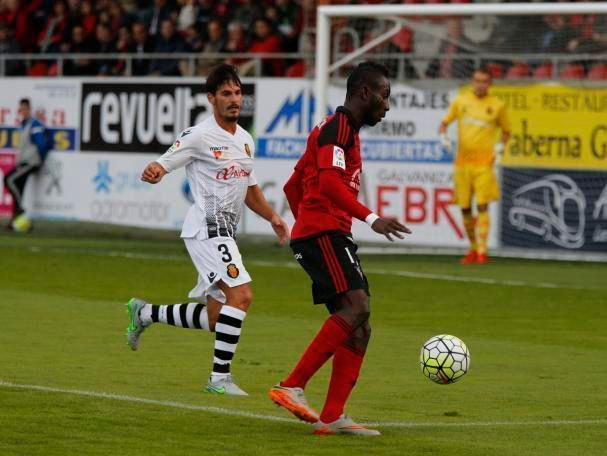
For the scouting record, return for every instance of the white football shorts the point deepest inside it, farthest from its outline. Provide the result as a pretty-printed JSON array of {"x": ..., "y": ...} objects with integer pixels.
[{"x": 215, "y": 259}]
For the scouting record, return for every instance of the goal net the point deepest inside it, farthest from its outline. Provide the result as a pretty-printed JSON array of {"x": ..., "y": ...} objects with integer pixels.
[{"x": 549, "y": 67}]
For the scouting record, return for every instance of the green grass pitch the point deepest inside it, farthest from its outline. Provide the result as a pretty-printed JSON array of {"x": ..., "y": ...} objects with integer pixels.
[{"x": 70, "y": 386}]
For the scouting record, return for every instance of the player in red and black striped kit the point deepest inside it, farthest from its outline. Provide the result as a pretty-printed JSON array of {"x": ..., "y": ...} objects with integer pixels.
[{"x": 322, "y": 194}]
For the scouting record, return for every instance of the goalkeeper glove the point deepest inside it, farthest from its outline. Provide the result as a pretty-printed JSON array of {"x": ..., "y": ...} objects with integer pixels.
[{"x": 446, "y": 143}]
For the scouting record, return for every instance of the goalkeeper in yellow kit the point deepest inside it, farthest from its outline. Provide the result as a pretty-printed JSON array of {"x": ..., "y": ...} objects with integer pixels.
[{"x": 479, "y": 115}]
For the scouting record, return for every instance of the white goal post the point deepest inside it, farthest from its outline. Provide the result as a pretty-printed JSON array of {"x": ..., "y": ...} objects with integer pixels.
[{"x": 324, "y": 67}]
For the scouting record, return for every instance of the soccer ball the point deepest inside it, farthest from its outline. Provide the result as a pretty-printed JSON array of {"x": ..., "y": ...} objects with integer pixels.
[
  {"x": 22, "y": 224},
  {"x": 444, "y": 359}
]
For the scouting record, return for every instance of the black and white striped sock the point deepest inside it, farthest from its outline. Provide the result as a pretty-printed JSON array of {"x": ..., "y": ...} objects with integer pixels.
[
  {"x": 227, "y": 333},
  {"x": 188, "y": 315}
]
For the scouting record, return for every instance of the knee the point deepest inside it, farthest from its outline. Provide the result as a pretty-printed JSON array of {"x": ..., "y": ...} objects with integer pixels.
[
  {"x": 365, "y": 331},
  {"x": 482, "y": 208},
  {"x": 361, "y": 317},
  {"x": 244, "y": 299},
  {"x": 361, "y": 312},
  {"x": 360, "y": 337},
  {"x": 354, "y": 307}
]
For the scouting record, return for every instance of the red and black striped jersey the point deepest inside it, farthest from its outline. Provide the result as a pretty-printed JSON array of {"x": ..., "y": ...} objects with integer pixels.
[{"x": 334, "y": 145}]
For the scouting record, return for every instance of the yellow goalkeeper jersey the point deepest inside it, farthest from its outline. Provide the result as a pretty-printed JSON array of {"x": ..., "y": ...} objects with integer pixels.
[{"x": 478, "y": 120}]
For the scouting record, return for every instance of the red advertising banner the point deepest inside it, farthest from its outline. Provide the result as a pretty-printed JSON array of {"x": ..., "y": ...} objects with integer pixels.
[{"x": 7, "y": 163}]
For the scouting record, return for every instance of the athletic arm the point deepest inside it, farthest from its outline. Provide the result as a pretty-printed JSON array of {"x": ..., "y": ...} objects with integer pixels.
[
  {"x": 256, "y": 201},
  {"x": 153, "y": 173},
  {"x": 39, "y": 139},
  {"x": 333, "y": 142},
  {"x": 294, "y": 190},
  {"x": 504, "y": 124},
  {"x": 442, "y": 128},
  {"x": 449, "y": 117},
  {"x": 177, "y": 156},
  {"x": 333, "y": 188}
]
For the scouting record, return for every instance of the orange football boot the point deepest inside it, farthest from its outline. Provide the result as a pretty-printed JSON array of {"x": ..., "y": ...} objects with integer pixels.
[{"x": 294, "y": 400}]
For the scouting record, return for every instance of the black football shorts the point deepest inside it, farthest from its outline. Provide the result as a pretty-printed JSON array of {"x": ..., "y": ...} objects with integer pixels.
[{"x": 331, "y": 262}]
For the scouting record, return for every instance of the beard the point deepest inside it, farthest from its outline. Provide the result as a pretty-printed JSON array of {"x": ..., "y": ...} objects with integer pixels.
[
  {"x": 231, "y": 115},
  {"x": 373, "y": 118}
]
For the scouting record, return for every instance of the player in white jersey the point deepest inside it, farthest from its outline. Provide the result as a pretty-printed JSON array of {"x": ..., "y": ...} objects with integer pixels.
[{"x": 218, "y": 157}]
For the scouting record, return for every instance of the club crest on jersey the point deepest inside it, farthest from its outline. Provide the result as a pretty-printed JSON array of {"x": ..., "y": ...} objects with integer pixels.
[
  {"x": 233, "y": 271},
  {"x": 339, "y": 157},
  {"x": 247, "y": 149},
  {"x": 217, "y": 151}
]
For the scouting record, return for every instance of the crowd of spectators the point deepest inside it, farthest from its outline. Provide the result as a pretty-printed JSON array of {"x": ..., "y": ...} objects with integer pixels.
[
  {"x": 139, "y": 26},
  {"x": 574, "y": 38},
  {"x": 209, "y": 27}
]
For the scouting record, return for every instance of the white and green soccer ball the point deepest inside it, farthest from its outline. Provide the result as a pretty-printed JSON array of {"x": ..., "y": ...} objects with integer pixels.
[
  {"x": 444, "y": 359},
  {"x": 22, "y": 224}
]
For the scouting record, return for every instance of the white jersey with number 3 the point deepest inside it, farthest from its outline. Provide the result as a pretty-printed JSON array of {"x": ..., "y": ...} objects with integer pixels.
[{"x": 219, "y": 167}]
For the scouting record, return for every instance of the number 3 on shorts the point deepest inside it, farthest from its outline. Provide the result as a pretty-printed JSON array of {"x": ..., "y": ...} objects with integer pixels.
[{"x": 226, "y": 257}]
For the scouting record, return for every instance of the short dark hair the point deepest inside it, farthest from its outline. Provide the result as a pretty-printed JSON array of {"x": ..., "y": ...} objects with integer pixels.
[
  {"x": 365, "y": 73},
  {"x": 221, "y": 74},
  {"x": 265, "y": 20},
  {"x": 483, "y": 69},
  {"x": 25, "y": 101}
]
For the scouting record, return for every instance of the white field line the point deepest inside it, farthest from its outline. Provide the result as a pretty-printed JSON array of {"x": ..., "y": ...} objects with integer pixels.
[
  {"x": 399, "y": 424},
  {"x": 141, "y": 400},
  {"x": 259, "y": 416},
  {"x": 445, "y": 277},
  {"x": 276, "y": 264}
]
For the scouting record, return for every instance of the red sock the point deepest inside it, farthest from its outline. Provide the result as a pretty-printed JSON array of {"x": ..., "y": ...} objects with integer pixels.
[
  {"x": 333, "y": 333},
  {"x": 346, "y": 368}
]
